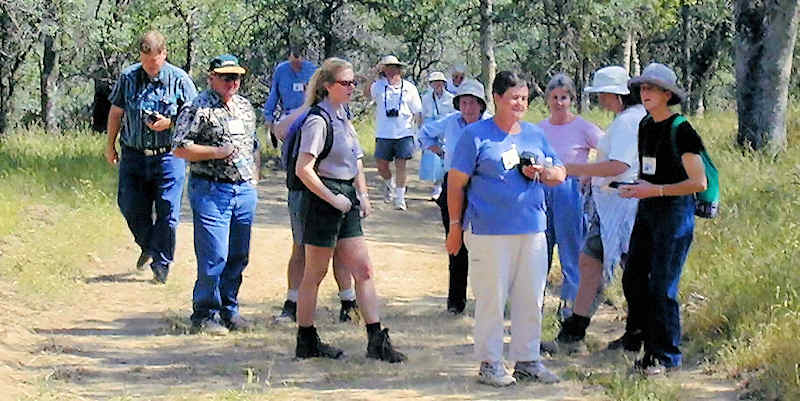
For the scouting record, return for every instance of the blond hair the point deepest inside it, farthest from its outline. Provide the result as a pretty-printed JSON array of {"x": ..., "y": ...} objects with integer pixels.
[
  {"x": 323, "y": 76},
  {"x": 152, "y": 41}
]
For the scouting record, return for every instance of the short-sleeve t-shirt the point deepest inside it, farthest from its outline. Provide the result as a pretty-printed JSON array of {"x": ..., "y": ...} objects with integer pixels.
[
  {"x": 342, "y": 161},
  {"x": 658, "y": 162},
  {"x": 402, "y": 97},
  {"x": 620, "y": 143},
  {"x": 572, "y": 141},
  {"x": 500, "y": 200}
]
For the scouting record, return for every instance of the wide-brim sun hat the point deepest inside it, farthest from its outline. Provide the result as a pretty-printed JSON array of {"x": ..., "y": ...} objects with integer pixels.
[
  {"x": 661, "y": 76},
  {"x": 436, "y": 76},
  {"x": 613, "y": 79},
  {"x": 472, "y": 88},
  {"x": 391, "y": 60}
]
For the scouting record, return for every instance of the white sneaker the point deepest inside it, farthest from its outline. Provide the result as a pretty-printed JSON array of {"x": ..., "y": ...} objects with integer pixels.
[
  {"x": 388, "y": 191},
  {"x": 495, "y": 374},
  {"x": 400, "y": 203},
  {"x": 534, "y": 370},
  {"x": 437, "y": 192}
]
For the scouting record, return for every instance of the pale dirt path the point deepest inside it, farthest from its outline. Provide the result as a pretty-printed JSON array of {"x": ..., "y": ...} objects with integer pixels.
[{"x": 125, "y": 339}]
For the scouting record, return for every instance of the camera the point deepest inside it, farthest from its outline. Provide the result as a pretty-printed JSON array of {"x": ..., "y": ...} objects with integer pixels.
[
  {"x": 392, "y": 113},
  {"x": 526, "y": 159},
  {"x": 151, "y": 116}
]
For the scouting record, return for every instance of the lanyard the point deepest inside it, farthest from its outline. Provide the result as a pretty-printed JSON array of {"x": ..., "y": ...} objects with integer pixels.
[{"x": 400, "y": 102}]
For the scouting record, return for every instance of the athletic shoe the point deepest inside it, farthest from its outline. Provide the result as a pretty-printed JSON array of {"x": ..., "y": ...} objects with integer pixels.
[
  {"x": 388, "y": 192},
  {"x": 238, "y": 323},
  {"x": 288, "y": 313},
  {"x": 312, "y": 347},
  {"x": 379, "y": 346},
  {"x": 208, "y": 326},
  {"x": 160, "y": 273},
  {"x": 400, "y": 203},
  {"x": 144, "y": 258},
  {"x": 348, "y": 311},
  {"x": 631, "y": 342},
  {"x": 495, "y": 374},
  {"x": 534, "y": 370}
]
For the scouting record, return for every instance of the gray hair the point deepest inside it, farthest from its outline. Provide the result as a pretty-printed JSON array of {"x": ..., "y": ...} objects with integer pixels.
[{"x": 561, "y": 80}]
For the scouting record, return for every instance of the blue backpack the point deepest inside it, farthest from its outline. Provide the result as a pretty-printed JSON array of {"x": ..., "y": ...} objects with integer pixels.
[{"x": 291, "y": 146}]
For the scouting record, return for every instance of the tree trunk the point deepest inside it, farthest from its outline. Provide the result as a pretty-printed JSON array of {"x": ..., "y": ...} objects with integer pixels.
[
  {"x": 627, "y": 46},
  {"x": 49, "y": 82},
  {"x": 488, "y": 65},
  {"x": 687, "y": 75},
  {"x": 766, "y": 34},
  {"x": 636, "y": 67}
]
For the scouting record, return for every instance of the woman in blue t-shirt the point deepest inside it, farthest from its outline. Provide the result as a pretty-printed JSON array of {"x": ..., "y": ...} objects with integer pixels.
[
  {"x": 501, "y": 164},
  {"x": 670, "y": 172}
]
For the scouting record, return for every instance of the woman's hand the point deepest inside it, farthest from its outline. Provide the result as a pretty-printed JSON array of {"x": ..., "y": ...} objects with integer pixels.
[
  {"x": 553, "y": 176},
  {"x": 437, "y": 149},
  {"x": 365, "y": 205},
  {"x": 641, "y": 190},
  {"x": 454, "y": 239},
  {"x": 532, "y": 171},
  {"x": 341, "y": 202}
]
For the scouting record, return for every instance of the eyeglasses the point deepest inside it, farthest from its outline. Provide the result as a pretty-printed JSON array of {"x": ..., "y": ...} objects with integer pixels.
[
  {"x": 229, "y": 77},
  {"x": 352, "y": 83}
]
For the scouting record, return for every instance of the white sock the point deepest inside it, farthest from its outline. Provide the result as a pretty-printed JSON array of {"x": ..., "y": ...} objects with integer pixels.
[
  {"x": 348, "y": 294},
  {"x": 291, "y": 295}
]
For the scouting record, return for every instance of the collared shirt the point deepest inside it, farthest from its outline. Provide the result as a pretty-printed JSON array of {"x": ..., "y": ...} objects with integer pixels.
[
  {"x": 342, "y": 162},
  {"x": 436, "y": 107},
  {"x": 445, "y": 132},
  {"x": 500, "y": 200},
  {"x": 288, "y": 88},
  {"x": 402, "y": 97},
  {"x": 207, "y": 121},
  {"x": 135, "y": 92}
]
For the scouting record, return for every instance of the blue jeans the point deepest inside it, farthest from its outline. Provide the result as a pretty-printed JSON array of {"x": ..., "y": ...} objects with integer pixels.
[
  {"x": 223, "y": 216},
  {"x": 566, "y": 226},
  {"x": 660, "y": 242},
  {"x": 147, "y": 183}
]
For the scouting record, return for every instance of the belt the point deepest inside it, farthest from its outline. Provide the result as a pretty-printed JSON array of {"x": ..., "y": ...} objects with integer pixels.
[
  {"x": 149, "y": 152},
  {"x": 216, "y": 179}
]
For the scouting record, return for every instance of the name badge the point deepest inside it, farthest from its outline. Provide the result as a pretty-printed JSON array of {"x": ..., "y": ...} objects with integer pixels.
[
  {"x": 649, "y": 165},
  {"x": 236, "y": 126},
  {"x": 510, "y": 158},
  {"x": 298, "y": 87}
]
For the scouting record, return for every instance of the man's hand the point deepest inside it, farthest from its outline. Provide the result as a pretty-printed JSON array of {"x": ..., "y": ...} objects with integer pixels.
[
  {"x": 161, "y": 124},
  {"x": 111, "y": 155},
  {"x": 225, "y": 151}
]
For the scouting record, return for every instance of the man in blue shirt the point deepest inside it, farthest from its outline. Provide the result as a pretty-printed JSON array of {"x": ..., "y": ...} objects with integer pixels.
[
  {"x": 144, "y": 106},
  {"x": 287, "y": 91}
]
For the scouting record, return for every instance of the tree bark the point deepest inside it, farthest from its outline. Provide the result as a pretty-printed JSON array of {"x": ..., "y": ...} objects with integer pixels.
[
  {"x": 627, "y": 46},
  {"x": 766, "y": 33},
  {"x": 686, "y": 53},
  {"x": 488, "y": 65},
  {"x": 636, "y": 67},
  {"x": 49, "y": 81}
]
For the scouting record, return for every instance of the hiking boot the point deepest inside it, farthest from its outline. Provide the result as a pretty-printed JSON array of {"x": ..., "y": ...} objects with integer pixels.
[
  {"x": 452, "y": 310},
  {"x": 348, "y": 308},
  {"x": 144, "y": 258},
  {"x": 534, "y": 370},
  {"x": 548, "y": 347},
  {"x": 573, "y": 329},
  {"x": 495, "y": 374},
  {"x": 631, "y": 342},
  {"x": 388, "y": 192},
  {"x": 160, "y": 273},
  {"x": 288, "y": 313},
  {"x": 238, "y": 323},
  {"x": 310, "y": 346},
  {"x": 208, "y": 326},
  {"x": 380, "y": 347}
]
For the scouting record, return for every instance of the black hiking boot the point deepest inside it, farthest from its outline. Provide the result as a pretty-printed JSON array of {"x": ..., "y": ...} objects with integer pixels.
[
  {"x": 573, "y": 329},
  {"x": 349, "y": 311},
  {"x": 289, "y": 312},
  {"x": 630, "y": 341},
  {"x": 380, "y": 347},
  {"x": 310, "y": 346},
  {"x": 143, "y": 259},
  {"x": 160, "y": 273}
]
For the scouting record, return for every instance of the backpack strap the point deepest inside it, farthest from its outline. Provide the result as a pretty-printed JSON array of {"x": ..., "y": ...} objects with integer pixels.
[
  {"x": 326, "y": 148},
  {"x": 673, "y": 133}
]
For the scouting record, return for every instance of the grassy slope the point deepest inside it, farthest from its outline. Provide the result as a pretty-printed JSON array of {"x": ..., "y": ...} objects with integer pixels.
[{"x": 740, "y": 287}]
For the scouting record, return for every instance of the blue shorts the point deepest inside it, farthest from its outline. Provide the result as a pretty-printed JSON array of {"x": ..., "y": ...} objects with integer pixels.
[{"x": 389, "y": 149}]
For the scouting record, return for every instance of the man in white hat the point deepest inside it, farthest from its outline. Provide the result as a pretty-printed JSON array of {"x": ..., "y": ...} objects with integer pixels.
[
  {"x": 440, "y": 137},
  {"x": 397, "y": 116}
]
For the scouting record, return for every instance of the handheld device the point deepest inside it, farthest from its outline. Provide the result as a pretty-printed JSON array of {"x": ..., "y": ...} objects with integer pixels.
[{"x": 616, "y": 184}]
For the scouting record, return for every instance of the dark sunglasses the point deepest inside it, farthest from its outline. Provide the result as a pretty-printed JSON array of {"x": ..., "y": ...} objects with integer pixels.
[
  {"x": 352, "y": 83},
  {"x": 229, "y": 77}
]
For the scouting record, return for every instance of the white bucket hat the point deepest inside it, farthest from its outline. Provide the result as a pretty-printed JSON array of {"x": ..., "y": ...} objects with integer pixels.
[
  {"x": 436, "y": 76},
  {"x": 473, "y": 88},
  {"x": 661, "y": 76},
  {"x": 391, "y": 60},
  {"x": 613, "y": 79}
]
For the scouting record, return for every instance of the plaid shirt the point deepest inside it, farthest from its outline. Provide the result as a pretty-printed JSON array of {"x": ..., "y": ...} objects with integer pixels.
[{"x": 207, "y": 121}]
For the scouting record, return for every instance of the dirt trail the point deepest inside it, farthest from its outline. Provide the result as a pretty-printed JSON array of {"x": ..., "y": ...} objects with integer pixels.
[{"x": 126, "y": 337}]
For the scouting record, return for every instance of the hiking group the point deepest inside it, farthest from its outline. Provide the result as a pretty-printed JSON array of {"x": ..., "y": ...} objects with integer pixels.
[{"x": 509, "y": 191}]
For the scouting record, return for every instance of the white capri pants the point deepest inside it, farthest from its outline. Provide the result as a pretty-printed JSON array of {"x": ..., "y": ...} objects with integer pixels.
[{"x": 499, "y": 266}]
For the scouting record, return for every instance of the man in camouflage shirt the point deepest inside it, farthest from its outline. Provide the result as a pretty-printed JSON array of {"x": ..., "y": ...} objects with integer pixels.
[{"x": 216, "y": 133}]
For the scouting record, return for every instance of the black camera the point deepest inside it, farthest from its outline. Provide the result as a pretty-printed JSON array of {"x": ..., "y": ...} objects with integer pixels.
[
  {"x": 526, "y": 159},
  {"x": 151, "y": 116},
  {"x": 392, "y": 113}
]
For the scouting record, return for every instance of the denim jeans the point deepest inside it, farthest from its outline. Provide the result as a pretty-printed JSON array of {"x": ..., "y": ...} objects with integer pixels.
[
  {"x": 662, "y": 235},
  {"x": 223, "y": 217},
  {"x": 148, "y": 183},
  {"x": 566, "y": 226}
]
